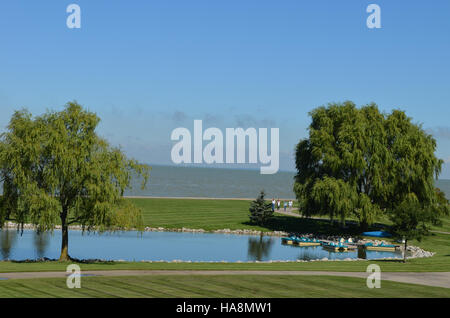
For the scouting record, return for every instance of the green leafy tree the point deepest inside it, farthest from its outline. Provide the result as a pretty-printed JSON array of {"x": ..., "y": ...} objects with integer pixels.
[
  {"x": 363, "y": 163},
  {"x": 260, "y": 210},
  {"x": 56, "y": 170},
  {"x": 411, "y": 219},
  {"x": 441, "y": 198}
]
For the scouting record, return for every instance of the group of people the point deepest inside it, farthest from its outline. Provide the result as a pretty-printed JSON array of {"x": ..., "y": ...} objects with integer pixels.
[{"x": 286, "y": 204}]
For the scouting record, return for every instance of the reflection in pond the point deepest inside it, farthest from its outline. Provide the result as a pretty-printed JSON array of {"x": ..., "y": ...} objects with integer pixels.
[
  {"x": 362, "y": 252},
  {"x": 259, "y": 248},
  {"x": 7, "y": 240},
  {"x": 308, "y": 254},
  {"x": 41, "y": 241}
]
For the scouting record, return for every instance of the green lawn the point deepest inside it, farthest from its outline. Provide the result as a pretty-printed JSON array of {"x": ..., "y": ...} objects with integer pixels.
[
  {"x": 195, "y": 214},
  {"x": 222, "y": 214},
  {"x": 445, "y": 225},
  {"x": 210, "y": 214},
  {"x": 215, "y": 286}
]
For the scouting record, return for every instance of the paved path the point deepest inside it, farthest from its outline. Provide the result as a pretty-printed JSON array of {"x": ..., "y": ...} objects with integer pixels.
[
  {"x": 289, "y": 212},
  {"x": 439, "y": 279},
  {"x": 440, "y": 232}
]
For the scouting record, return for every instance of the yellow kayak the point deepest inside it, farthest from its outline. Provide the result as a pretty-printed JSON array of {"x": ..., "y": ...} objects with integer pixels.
[
  {"x": 335, "y": 248},
  {"x": 381, "y": 248}
]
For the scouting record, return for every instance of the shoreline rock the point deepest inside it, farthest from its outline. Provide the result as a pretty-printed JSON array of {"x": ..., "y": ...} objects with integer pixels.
[{"x": 11, "y": 225}]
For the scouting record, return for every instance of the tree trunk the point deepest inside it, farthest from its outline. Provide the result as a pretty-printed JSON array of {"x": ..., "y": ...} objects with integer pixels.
[
  {"x": 363, "y": 226},
  {"x": 65, "y": 238},
  {"x": 404, "y": 253}
]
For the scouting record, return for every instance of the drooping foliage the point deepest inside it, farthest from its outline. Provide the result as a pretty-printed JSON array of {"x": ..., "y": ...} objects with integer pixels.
[
  {"x": 363, "y": 163},
  {"x": 56, "y": 170},
  {"x": 410, "y": 219}
]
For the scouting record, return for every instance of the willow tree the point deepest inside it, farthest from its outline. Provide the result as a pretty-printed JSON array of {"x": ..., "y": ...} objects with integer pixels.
[
  {"x": 57, "y": 171},
  {"x": 364, "y": 163}
]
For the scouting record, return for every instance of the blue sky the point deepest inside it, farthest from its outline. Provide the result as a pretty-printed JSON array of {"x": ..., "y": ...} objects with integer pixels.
[{"x": 147, "y": 67}]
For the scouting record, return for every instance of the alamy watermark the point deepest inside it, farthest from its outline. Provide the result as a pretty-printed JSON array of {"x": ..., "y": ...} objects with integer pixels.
[
  {"x": 74, "y": 278},
  {"x": 374, "y": 19},
  {"x": 235, "y": 144},
  {"x": 374, "y": 279},
  {"x": 73, "y": 21}
]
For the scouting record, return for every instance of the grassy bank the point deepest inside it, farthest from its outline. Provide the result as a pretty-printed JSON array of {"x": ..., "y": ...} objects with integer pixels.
[
  {"x": 223, "y": 214},
  {"x": 211, "y": 214},
  {"x": 216, "y": 286},
  {"x": 195, "y": 214}
]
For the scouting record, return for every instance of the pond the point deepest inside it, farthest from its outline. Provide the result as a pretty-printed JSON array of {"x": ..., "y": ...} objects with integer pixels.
[{"x": 166, "y": 246}]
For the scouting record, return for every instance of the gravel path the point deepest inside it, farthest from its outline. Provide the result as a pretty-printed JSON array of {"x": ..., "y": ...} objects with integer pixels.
[
  {"x": 440, "y": 232},
  {"x": 437, "y": 279}
]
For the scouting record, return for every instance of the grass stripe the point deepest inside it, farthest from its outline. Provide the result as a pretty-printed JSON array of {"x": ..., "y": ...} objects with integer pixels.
[{"x": 216, "y": 286}]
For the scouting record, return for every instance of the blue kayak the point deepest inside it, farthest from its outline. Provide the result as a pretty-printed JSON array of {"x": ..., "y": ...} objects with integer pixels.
[{"x": 377, "y": 234}]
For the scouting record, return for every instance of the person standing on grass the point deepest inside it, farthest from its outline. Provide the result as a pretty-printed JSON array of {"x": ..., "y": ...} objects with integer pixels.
[
  {"x": 278, "y": 204},
  {"x": 290, "y": 205},
  {"x": 273, "y": 204},
  {"x": 285, "y": 205}
]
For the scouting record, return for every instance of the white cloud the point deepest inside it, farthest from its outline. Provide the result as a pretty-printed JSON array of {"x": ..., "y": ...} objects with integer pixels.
[{"x": 440, "y": 132}]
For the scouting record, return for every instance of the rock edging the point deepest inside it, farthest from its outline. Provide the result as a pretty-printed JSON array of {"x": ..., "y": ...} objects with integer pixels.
[{"x": 11, "y": 225}]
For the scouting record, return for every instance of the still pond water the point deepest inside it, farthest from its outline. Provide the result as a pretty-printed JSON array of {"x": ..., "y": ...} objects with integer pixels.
[{"x": 166, "y": 246}]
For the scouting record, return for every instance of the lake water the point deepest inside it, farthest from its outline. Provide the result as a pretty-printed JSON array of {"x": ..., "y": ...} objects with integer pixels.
[
  {"x": 182, "y": 181},
  {"x": 166, "y": 246},
  {"x": 179, "y": 181}
]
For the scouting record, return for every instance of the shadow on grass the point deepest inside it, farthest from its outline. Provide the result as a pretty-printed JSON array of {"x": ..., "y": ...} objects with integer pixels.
[
  {"x": 395, "y": 261},
  {"x": 316, "y": 226}
]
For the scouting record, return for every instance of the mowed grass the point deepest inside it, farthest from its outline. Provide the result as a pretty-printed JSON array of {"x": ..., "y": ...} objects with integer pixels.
[
  {"x": 195, "y": 214},
  {"x": 191, "y": 286},
  {"x": 445, "y": 227},
  {"x": 216, "y": 214}
]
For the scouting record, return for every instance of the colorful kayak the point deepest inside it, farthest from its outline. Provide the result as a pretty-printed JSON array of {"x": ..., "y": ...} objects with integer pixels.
[
  {"x": 377, "y": 234},
  {"x": 380, "y": 247},
  {"x": 349, "y": 243},
  {"x": 300, "y": 241},
  {"x": 288, "y": 240},
  {"x": 336, "y": 247}
]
